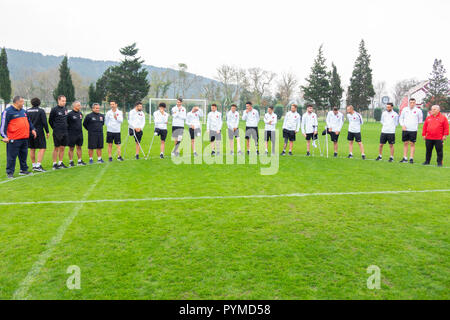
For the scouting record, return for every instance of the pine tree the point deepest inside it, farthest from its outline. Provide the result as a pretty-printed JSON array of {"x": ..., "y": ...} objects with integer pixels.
[
  {"x": 438, "y": 88},
  {"x": 361, "y": 88},
  {"x": 127, "y": 82},
  {"x": 5, "y": 81},
  {"x": 65, "y": 85},
  {"x": 92, "y": 94},
  {"x": 318, "y": 88},
  {"x": 335, "y": 87}
]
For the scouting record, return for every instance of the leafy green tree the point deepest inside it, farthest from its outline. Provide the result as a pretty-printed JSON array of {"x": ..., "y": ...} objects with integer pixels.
[
  {"x": 361, "y": 91},
  {"x": 5, "y": 81},
  {"x": 317, "y": 90},
  {"x": 335, "y": 87},
  {"x": 65, "y": 85},
  {"x": 438, "y": 88}
]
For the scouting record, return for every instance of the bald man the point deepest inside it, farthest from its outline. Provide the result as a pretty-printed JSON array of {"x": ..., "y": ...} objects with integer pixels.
[{"x": 435, "y": 130}]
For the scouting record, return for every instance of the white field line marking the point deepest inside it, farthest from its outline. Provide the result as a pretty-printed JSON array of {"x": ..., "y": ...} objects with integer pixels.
[
  {"x": 22, "y": 291},
  {"x": 293, "y": 195}
]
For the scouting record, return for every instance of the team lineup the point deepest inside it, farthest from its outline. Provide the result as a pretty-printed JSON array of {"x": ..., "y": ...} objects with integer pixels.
[{"x": 24, "y": 130}]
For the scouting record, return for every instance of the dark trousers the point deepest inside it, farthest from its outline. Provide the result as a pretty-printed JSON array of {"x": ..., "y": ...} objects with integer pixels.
[
  {"x": 430, "y": 144},
  {"x": 17, "y": 148}
]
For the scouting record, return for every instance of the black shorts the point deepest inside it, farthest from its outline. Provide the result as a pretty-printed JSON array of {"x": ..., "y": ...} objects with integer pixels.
[
  {"x": 354, "y": 136},
  {"x": 75, "y": 139},
  {"x": 95, "y": 141},
  {"x": 213, "y": 136},
  {"x": 232, "y": 134},
  {"x": 309, "y": 136},
  {"x": 269, "y": 135},
  {"x": 162, "y": 133},
  {"x": 387, "y": 137},
  {"x": 138, "y": 136},
  {"x": 177, "y": 132},
  {"x": 334, "y": 136},
  {"x": 113, "y": 137},
  {"x": 60, "y": 139},
  {"x": 251, "y": 132},
  {"x": 409, "y": 136},
  {"x": 195, "y": 132},
  {"x": 38, "y": 143},
  {"x": 289, "y": 134}
]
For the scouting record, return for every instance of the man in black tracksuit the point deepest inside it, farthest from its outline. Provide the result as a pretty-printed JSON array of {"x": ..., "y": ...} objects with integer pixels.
[
  {"x": 58, "y": 122},
  {"x": 75, "y": 128},
  {"x": 93, "y": 123},
  {"x": 38, "y": 118}
]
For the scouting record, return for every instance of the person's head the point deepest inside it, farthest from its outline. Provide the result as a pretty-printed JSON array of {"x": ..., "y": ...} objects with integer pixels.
[
  {"x": 138, "y": 106},
  {"x": 179, "y": 102},
  {"x": 195, "y": 109},
  {"x": 335, "y": 110},
  {"x": 233, "y": 107},
  {"x": 412, "y": 103},
  {"x": 162, "y": 106},
  {"x": 76, "y": 106},
  {"x": 113, "y": 104},
  {"x": 18, "y": 102},
  {"x": 350, "y": 109},
  {"x": 62, "y": 101},
  {"x": 293, "y": 107},
  {"x": 309, "y": 108},
  {"x": 435, "y": 110},
  {"x": 249, "y": 105},
  {"x": 35, "y": 102},
  {"x": 96, "y": 108},
  {"x": 389, "y": 106},
  {"x": 214, "y": 107},
  {"x": 270, "y": 110}
]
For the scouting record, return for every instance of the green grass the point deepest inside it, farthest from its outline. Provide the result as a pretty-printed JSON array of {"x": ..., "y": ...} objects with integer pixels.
[{"x": 315, "y": 247}]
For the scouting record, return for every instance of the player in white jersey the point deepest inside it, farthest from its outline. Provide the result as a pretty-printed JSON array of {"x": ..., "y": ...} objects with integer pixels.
[
  {"x": 214, "y": 127},
  {"x": 291, "y": 125},
  {"x": 309, "y": 127},
  {"x": 113, "y": 122},
  {"x": 178, "y": 118},
  {"x": 335, "y": 121},
  {"x": 251, "y": 118},
  {"x": 136, "y": 123},
  {"x": 354, "y": 131},
  {"x": 195, "y": 128},
  {"x": 161, "y": 118},
  {"x": 389, "y": 120},
  {"x": 410, "y": 117},
  {"x": 270, "y": 120},
  {"x": 233, "y": 128}
]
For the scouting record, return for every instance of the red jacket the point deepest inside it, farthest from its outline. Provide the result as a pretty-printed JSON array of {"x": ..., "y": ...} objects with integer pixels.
[{"x": 435, "y": 127}]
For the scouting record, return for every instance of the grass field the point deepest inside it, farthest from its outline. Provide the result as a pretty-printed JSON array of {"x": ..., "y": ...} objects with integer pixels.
[{"x": 180, "y": 240}]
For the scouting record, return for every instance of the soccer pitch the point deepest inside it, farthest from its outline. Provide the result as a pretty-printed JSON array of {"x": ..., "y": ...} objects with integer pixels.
[{"x": 310, "y": 231}]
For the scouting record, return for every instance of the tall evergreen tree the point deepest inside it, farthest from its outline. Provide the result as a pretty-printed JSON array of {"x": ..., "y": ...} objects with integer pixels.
[
  {"x": 92, "y": 96},
  {"x": 335, "y": 87},
  {"x": 127, "y": 82},
  {"x": 5, "y": 81},
  {"x": 318, "y": 88},
  {"x": 65, "y": 85},
  {"x": 438, "y": 88},
  {"x": 361, "y": 88}
]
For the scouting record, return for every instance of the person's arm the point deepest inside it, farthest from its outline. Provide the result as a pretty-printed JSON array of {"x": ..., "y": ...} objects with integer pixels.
[
  {"x": 424, "y": 129},
  {"x": 131, "y": 119},
  {"x": 120, "y": 117},
  {"x": 4, "y": 125},
  {"x": 143, "y": 121},
  {"x": 382, "y": 118},
  {"x": 361, "y": 121},
  {"x": 284, "y": 121},
  {"x": 420, "y": 116},
  {"x": 44, "y": 121},
  {"x": 208, "y": 122},
  {"x": 396, "y": 120},
  {"x": 328, "y": 121},
  {"x": 51, "y": 118},
  {"x": 446, "y": 129},
  {"x": 401, "y": 119},
  {"x": 316, "y": 122},
  {"x": 244, "y": 116},
  {"x": 303, "y": 125},
  {"x": 86, "y": 122},
  {"x": 299, "y": 119},
  {"x": 266, "y": 120}
]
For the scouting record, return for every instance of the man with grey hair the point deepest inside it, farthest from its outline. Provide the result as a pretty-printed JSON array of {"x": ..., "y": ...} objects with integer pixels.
[
  {"x": 75, "y": 127},
  {"x": 435, "y": 130},
  {"x": 93, "y": 123},
  {"x": 58, "y": 121}
]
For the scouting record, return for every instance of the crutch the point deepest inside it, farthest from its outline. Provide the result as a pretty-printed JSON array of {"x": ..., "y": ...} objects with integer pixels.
[
  {"x": 134, "y": 132},
  {"x": 326, "y": 137},
  {"x": 151, "y": 144}
]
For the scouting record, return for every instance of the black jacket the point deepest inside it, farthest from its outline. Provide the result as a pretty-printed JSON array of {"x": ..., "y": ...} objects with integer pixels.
[
  {"x": 58, "y": 119},
  {"x": 75, "y": 122},
  {"x": 38, "y": 118},
  {"x": 94, "y": 122}
]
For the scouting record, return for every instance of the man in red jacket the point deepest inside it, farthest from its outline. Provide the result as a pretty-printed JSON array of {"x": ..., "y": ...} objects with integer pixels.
[{"x": 435, "y": 131}]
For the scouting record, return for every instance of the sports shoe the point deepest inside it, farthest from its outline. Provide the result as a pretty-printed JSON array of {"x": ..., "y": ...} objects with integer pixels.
[
  {"x": 308, "y": 154},
  {"x": 290, "y": 153},
  {"x": 161, "y": 156},
  {"x": 378, "y": 158},
  {"x": 56, "y": 167},
  {"x": 63, "y": 166},
  {"x": 411, "y": 161},
  {"x": 391, "y": 159},
  {"x": 240, "y": 153},
  {"x": 283, "y": 153},
  {"x": 213, "y": 153},
  {"x": 81, "y": 163},
  {"x": 71, "y": 164},
  {"x": 24, "y": 173},
  {"x": 39, "y": 169},
  {"x": 350, "y": 156},
  {"x": 110, "y": 159},
  {"x": 248, "y": 152},
  {"x": 91, "y": 161},
  {"x": 100, "y": 161},
  {"x": 231, "y": 153},
  {"x": 266, "y": 152},
  {"x": 10, "y": 176},
  {"x": 439, "y": 164},
  {"x": 119, "y": 158},
  {"x": 195, "y": 154},
  {"x": 137, "y": 157},
  {"x": 335, "y": 155},
  {"x": 404, "y": 160},
  {"x": 363, "y": 157},
  {"x": 426, "y": 163}
]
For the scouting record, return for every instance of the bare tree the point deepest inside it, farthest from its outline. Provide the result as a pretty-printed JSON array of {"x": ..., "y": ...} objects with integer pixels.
[
  {"x": 184, "y": 80},
  {"x": 286, "y": 87},
  {"x": 402, "y": 87},
  {"x": 159, "y": 84},
  {"x": 260, "y": 81},
  {"x": 380, "y": 91},
  {"x": 226, "y": 75}
]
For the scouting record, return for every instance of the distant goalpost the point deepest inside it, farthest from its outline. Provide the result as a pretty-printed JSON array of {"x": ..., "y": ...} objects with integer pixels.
[{"x": 188, "y": 104}]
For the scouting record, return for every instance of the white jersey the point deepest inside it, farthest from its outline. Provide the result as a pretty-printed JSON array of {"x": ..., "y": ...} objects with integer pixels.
[
  {"x": 271, "y": 121},
  {"x": 178, "y": 116},
  {"x": 214, "y": 121},
  {"x": 112, "y": 124},
  {"x": 389, "y": 120},
  {"x": 335, "y": 121},
  {"x": 410, "y": 118},
  {"x": 136, "y": 119},
  {"x": 232, "y": 120},
  {"x": 309, "y": 123},
  {"x": 355, "y": 121},
  {"x": 292, "y": 121},
  {"x": 160, "y": 119},
  {"x": 193, "y": 118},
  {"x": 251, "y": 118}
]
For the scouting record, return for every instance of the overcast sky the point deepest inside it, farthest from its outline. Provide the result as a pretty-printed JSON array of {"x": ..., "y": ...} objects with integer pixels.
[{"x": 402, "y": 36}]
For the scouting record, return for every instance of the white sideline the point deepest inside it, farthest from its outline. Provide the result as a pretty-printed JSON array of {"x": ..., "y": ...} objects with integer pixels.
[
  {"x": 21, "y": 292},
  {"x": 294, "y": 195}
]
